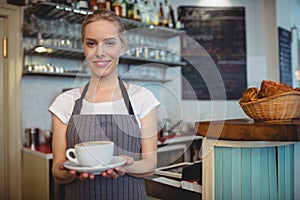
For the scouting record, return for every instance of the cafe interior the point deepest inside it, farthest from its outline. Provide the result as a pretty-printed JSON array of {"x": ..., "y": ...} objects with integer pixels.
[{"x": 226, "y": 74}]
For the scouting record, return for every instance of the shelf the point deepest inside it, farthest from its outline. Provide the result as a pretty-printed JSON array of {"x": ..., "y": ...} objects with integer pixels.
[
  {"x": 155, "y": 80},
  {"x": 157, "y": 31},
  {"x": 27, "y": 32},
  {"x": 54, "y": 51},
  {"x": 82, "y": 75},
  {"x": 146, "y": 61},
  {"x": 71, "y": 75},
  {"x": 53, "y": 11},
  {"x": 64, "y": 52}
]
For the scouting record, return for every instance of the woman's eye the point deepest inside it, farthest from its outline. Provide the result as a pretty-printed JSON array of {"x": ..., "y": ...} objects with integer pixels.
[
  {"x": 90, "y": 44},
  {"x": 110, "y": 43}
]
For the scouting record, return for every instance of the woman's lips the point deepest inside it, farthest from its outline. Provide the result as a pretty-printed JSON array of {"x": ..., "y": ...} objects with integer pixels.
[{"x": 101, "y": 63}]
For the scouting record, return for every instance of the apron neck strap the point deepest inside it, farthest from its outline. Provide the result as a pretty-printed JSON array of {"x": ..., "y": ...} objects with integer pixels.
[
  {"x": 78, "y": 102},
  {"x": 126, "y": 97}
]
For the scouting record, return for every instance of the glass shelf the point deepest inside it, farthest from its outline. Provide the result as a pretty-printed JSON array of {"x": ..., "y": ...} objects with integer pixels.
[
  {"x": 84, "y": 75},
  {"x": 65, "y": 52},
  {"x": 53, "y": 11},
  {"x": 45, "y": 34},
  {"x": 55, "y": 51},
  {"x": 159, "y": 63},
  {"x": 71, "y": 75}
]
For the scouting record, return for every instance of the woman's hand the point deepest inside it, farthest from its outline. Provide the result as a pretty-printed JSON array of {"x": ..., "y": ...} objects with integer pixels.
[
  {"x": 118, "y": 171},
  {"x": 109, "y": 173},
  {"x": 83, "y": 175},
  {"x": 73, "y": 174}
]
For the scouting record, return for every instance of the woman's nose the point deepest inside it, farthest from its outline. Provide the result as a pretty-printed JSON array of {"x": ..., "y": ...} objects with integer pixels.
[{"x": 101, "y": 49}]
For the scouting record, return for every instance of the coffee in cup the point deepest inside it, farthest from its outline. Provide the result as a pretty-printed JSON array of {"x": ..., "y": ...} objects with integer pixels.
[{"x": 89, "y": 154}]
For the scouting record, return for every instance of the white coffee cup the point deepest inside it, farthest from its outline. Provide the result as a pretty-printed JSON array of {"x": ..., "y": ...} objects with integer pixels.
[{"x": 91, "y": 154}]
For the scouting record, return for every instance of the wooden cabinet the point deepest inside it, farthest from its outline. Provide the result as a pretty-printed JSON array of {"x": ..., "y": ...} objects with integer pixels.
[{"x": 36, "y": 172}]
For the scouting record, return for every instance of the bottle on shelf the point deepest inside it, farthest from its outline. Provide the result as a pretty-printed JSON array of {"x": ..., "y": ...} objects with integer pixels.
[
  {"x": 108, "y": 5},
  {"x": 166, "y": 9},
  {"x": 142, "y": 9},
  {"x": 138, "y": 16},
  {"x": 161, "y": 15},
  {"x": 82, "y": 4},
  {"x": 68, "y": 3},
  {"x": 116, "y": 7},
  {"x": 171, "y": 19},
  {"x": 179, "y": 24},
  {"x": 146, "y": 13},
  {"x": 154, "y": 13},
  {"x": 93, "y": 5},
  {"x": 124, "y": 8},
  {"x": 130, "y": 9},
  {"x": 101, "y": 4},
  {"x": 136, "y": 11}
]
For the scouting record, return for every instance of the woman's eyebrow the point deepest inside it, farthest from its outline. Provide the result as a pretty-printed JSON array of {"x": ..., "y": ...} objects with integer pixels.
[
  {"x": 110, "y": 38},
  {"x": 90, "y": 39},
  {"x": 105, "y": 39}
]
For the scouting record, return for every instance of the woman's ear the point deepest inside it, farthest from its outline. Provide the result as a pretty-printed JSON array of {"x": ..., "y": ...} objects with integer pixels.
[
  {"x": 123, "y": 46},
  {"x": 123, "y": 42}
]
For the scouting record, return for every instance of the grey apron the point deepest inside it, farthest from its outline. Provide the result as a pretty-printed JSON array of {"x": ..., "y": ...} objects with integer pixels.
[{"x": 124, "y": 131}]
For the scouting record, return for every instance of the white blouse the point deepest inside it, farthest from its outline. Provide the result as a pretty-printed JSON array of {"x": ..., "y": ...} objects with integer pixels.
[{"x": 142, "y": 100}]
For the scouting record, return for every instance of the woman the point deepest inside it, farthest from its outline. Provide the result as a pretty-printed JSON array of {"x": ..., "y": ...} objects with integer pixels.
[{"x": 122, "y": 113}]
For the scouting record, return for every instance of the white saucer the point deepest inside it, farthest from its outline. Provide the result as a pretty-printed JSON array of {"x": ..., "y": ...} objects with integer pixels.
[{"x": 116, "y": 161}]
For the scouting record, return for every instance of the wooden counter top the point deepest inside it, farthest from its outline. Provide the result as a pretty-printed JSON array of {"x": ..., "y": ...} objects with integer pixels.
[{"x": 249, "y": 130}]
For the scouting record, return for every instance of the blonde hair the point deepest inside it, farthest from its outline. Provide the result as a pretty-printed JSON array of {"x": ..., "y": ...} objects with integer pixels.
[{"x": 103, "y": 15}]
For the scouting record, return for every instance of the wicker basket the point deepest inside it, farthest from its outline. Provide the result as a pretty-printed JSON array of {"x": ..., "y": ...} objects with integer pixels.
[{"x": 284, "y": 106}]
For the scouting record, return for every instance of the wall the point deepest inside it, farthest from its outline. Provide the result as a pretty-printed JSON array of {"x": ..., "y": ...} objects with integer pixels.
[
  {"x": 38, "y": 92},
  {"x": 291, "y": 23},
  {"x": 262, "y": 59}
]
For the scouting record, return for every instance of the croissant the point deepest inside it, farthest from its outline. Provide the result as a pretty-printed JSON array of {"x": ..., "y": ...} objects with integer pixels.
[
  {"x": 297, "y": 89},
  {"x": 251, "y": 94},
  {"x": 270, "y": 88}
]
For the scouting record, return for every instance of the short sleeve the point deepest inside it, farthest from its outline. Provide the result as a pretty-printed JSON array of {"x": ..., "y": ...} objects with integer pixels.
[
  {"x": 63, "y": 105},
  {"x": 143, "y": 100},
  {"x": 149, "y": 104}
]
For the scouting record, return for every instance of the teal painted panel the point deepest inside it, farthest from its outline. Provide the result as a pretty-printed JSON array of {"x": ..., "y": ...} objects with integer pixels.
[
  {"x": 236, "y": 173},
  {"x": 255, "y": 172},
  {"x": 264, "y": 173},
  {"x": 272, "y": 165},
  {"x": 281, "y": 172},
  {"x": 246, "y": 174},
  {"x": 296, "y": 170},
  {"x": 218, "y": 157},
  {"x": 289, "y": 172},
  {"x": 227, "y": 173}
]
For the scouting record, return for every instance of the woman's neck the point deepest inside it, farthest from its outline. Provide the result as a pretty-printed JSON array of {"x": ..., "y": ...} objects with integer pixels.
[
  {"x": 103, "y": 89},
  {"x": 104, "y": 83}
]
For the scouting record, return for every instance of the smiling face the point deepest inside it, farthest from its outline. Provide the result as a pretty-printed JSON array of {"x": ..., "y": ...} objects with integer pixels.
[{"x": 102, "y": 47}]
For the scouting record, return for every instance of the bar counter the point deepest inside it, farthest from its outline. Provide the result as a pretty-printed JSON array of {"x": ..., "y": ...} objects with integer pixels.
[{"x": 247, "y": 159}]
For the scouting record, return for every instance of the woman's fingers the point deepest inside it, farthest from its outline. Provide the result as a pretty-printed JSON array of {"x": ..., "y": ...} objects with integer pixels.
[
  {"x": 83, "y": 175},
  {"x": 129, "y": 160},
  {"x": 110, "y": 173},
  {"x": 118, "y": 171}
]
